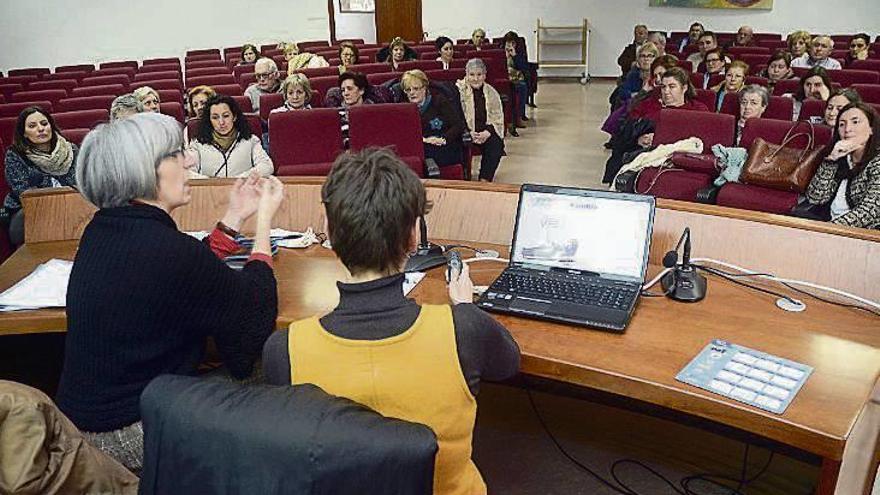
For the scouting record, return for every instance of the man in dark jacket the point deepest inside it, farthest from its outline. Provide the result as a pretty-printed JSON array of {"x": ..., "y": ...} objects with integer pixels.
[{"x": 628, "y": 57}]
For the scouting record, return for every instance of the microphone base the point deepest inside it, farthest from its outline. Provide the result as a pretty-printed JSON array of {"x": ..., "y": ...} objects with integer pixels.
[
  {"x": 684, "y": 284},
  {"x": 425, "y": 258}
]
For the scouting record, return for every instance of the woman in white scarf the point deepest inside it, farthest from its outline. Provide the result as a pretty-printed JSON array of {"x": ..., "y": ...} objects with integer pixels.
[{"x": 39, "y": 157}]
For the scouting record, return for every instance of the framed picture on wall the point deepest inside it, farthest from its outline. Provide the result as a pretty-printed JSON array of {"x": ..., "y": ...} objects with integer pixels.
[
  {"x": 357, "y": 6},
  {"x": 715, "y": 4}
]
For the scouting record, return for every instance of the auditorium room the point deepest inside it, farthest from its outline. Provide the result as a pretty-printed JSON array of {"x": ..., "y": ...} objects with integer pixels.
[{"x": 440, "y": 247}]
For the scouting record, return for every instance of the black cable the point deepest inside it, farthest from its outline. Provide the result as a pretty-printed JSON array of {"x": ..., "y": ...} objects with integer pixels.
[
  {"x": 829, "y": 301},
  {"x": 738, "y": 282},
  {"x": 463, "y": 246}
]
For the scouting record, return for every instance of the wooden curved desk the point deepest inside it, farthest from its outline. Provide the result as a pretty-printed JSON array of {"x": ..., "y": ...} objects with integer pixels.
[{"x": 843, "y": 345}]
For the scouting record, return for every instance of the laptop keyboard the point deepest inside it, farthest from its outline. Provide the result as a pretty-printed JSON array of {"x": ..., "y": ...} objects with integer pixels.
[{"x": 563, "y": 288}]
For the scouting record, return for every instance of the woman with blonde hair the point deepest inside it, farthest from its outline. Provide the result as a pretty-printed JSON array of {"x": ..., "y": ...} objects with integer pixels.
[
  {"x": 196, "y": 98},
  {"x": 301, "y": 60},
  {"x": 441, "y": 126},
  {"x": 734, "y": 80},
  {"x": 297, "y": 93},
  {"x": 798, "y": 43},
  {"x": 396, "y": 52},
  {"x": 148, "y": 97}
]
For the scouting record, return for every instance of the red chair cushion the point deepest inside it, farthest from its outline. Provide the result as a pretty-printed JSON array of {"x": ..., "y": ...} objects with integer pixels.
[
  {"x": 757, "y": 198},
  {"x": 672, "y": 184}
]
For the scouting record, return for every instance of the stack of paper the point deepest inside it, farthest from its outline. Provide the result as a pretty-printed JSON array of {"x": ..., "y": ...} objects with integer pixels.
[{"x": 45, "y": 287}]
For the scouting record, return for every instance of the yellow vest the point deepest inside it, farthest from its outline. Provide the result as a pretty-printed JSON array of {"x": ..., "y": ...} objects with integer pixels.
[{"x": 414, "y": 376}]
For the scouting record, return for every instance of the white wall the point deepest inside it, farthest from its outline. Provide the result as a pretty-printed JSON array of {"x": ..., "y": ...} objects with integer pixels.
[
  {"x": 354, "y": 25},
  {"x": 48, "y": 33},
  {"x": 612, "y": 20}
]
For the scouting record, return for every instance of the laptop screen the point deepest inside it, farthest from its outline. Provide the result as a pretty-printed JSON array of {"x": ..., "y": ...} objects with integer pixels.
[{"x": 583, "y": 230}]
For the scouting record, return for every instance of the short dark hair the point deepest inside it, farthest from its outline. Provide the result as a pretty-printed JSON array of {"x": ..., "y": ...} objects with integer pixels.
[
  {"x": 683, "y": 78},
  {"x": 360, "y": 80},
  {"x": 248, "y": 46},
  {"x": 372, "y": 200},
  {"x": 863, "y": 36},
  {"x": 813, "y": 72},
  {"x": 20, "y": 143},
  {"x": 511, "y": 36},
  {"x": 780, "y": 54},
  {"x": 440, "y": 41},
  {"x": 353, "y": 47},
  {"x": 872, "y": 148},
  {"x": 696, "y": 24},
  {"x": 710, "y": 34},
  {"x": 206, "y": 130}
]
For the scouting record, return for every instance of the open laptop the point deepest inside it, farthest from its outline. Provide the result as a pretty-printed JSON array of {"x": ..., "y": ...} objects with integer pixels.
[{"x": 577, "y": 256}]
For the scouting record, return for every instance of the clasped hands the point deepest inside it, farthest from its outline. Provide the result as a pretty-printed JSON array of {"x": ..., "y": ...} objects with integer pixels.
[
  {"x": 480, "y": 137},
  {"x": 253, "y": 194}
]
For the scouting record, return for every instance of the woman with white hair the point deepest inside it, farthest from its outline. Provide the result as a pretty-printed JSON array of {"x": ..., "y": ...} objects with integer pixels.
[
  {"x": 753, "y": 101},
  {"x": 125, "y": 106},
  {"x": 484, "y": 116},
  {"x": 144, "y": 297},
  {"x": 148, "y": 97}
]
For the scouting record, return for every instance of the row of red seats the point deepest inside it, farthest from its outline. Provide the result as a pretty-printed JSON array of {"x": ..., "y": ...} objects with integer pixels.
[{"x": 690, "y": 176}]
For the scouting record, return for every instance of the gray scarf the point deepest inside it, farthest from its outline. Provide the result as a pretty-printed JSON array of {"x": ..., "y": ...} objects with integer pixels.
[{"x": 56, "y": 163}]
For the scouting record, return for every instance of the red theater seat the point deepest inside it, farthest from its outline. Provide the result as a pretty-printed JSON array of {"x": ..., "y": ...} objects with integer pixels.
[
  {"x": 160, "y": 84},
  {"x": 208, "y": 71},
  {"x": 322, "y": 84},
  {"x": 120, "y": 79},
  {"x": 869, "y": 92},
  {"x": 305, "y": 142},
  {"x": 85, "y": 103},
  {"x": 382, "y": 77},
  {"x": 75, "y": 136},
  {"x": 869, "y": 64},
  {"x": 395, "y": 125},
  {"x": 170, "y": 95},
  {"x": 110, "y": 89},
  {"x": 311, "y": 46},
  {"x": 319, "y": 72},
  {"x": 162, "y": 68},
  {"x": 848, "y": 77},
  {"x": 229, "y": 89},
  {"x": 173, "y": 109},
  {"x": 75, "y": 68},
  {"x": 268, "y": 103},
  {"x": 170, "y": 75},
  {"x": 65, "y": 76},
  {"x": 195, "y": 64},
  {"x": 36, "y": 71},
  {"x": 65, "y": 84},
  {"x": 7, "y": 89},
  {"x": 206, "y": 51},
  {"x": 52, "y": 95},
  {"x": 786, "y": 86},
  {"x": 114, "y": 71},
  {"x": 13, "y": 109},
  {"x": 373, "y": 68},
  {"x": 211, "y": 80},
  {"x": 81, "y": 119},
  {"x": 161, "y": 61},
  {"x": 129, "y": 64},
  {"x": 811, "y": 109},
  {"x": 244, "y": 103}
]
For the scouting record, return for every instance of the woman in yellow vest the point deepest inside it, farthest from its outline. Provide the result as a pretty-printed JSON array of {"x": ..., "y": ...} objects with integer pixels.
[{"x": 420, "y": 363}]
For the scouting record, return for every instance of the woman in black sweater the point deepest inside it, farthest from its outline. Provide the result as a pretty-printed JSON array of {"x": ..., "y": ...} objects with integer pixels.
[
  {"x": 441, "y": 126},
  {"x": 143, "y": 297}
]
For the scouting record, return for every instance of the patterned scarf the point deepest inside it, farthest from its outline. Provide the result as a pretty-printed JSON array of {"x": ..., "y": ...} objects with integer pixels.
[{"x": 57, "y": 162}]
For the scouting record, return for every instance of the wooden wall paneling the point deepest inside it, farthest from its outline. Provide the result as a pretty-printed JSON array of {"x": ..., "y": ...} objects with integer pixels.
[{"x": 398, "y": 18}]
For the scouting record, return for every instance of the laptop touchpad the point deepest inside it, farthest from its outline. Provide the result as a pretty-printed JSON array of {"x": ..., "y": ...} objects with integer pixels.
[{"x": 527, "y": 306}]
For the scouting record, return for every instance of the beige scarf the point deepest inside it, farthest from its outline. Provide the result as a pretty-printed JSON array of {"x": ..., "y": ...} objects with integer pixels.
[
  {"x": 225, "y": 142},
  {"x": 57, "y": 162}
]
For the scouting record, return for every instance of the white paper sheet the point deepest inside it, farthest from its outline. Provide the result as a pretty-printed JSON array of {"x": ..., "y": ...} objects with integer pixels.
[{"x": 45, "y": 287}]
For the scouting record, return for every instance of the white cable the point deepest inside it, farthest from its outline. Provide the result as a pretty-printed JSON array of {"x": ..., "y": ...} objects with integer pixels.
[
  {"x": 790, "y": 281},
  {"x": 500, "y": 260},
  {"x": 656, "y": 279}
]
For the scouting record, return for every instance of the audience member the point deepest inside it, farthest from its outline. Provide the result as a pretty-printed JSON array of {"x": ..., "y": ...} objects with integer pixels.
[
  {"x": 125, "y": 106},
  {"x": 354, "y": 90},
  {"x": 858, "y": 48},
  {"x": 753, "y": 101},
  {"x": 676, "y": 91},
  {"x": 249, "y": 55},
  {"x": 659, "y": 67},
  {"x": 815, "y": 85},
  {"x": 196, "y": 99},
  {"x": 848, "y": 180},
  {"x": 148, "y": 97},
  {"x": 714, "y": 66},
  {"x": 778, "y": 68},
  {"x": 478, "y": 39},
  {"x": 266, "y": 72},
  {"x": 658, "y": 39},
  {"x": 628, "y": 57},
  {"x": 143, "y": 297},
  {"x": 484, "y": 115},
  {"x": 819, "y": 55},
  {"x": 694, "y": 33},
  {"x": 39, "y": 157},
  {"x": 225, "y": 145},
  {"x": 304, "y": 60},
  {"x": 396, "y": 52},
  {"x": 441, "y": 126},
  {"x": 745, "y": 36},
  {"x": 839, "y": 98},
  {"x": 348, "y": 56},
  {"x": 297, "y": 93},
  {"x": 517, "y": 70},
  {"x": 445, "y": 50},
  {"x": 798, "y": 43},
  {"x": 708, "y": 42},
  {"x": 734, "y": 78},
  {"x": 420, "y": 363},
  {"x": 640, "y": 77}
]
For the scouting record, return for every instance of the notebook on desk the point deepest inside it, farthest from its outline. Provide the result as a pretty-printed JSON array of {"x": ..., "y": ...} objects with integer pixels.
[{"x": 577, "y": 256}]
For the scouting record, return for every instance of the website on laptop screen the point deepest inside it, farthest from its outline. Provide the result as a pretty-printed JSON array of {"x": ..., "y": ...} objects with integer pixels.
[{"x": 600, "y": 235}]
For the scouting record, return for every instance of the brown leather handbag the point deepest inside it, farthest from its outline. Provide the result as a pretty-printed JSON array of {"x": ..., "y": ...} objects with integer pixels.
[{"x": 778, "y": 167}]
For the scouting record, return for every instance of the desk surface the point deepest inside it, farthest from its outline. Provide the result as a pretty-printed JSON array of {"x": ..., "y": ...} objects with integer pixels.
[{"x": 843, "y": 345}]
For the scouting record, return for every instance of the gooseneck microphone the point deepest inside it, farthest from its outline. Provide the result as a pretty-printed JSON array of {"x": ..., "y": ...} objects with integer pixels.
[
  {"x": 682, "y": 282},
  {"x": 427, "y": 255}
]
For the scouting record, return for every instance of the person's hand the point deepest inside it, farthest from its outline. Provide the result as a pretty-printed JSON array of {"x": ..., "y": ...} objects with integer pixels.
[
  {"x": 842, "y": 148},
  {"x": 822, "y": 93},
  {"x": 510, "y": 50},
  {"x": 461, "y": 290},
  {"x": 244, "y": 199},
  {"x": 646, "y": 140},
  {"x": 481, "y": 137},
  {"x": 271, "y": 194}
]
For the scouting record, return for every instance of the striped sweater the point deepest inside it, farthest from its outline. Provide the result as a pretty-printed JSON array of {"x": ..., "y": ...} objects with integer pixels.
[{"x": 862, "y": 194}]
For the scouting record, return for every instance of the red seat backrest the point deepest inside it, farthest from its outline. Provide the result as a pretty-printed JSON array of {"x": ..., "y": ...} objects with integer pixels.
[
  {"x": 7, "y": 131},
  {"x": 114, "y": 71},
  {"x": 171, "y": 75},
  {"x": 453, "y": 74},
  {"x": 305, "y": 137},
  {"x": 229, "y": 89},
  {"x": 162, "y": 61},
  {"x": 372, "y": 68},
  {"x": 207, "y": 71},
  {"x": 774, "y": 131},
  {"x": 120, "y": 79},
  {"x": 109, "y": 89},
  {"x": 52, "y": 95},
  {"x": 8, "y": 89},
  {"x": 707, "y": 98},
  {"x": 319, "y": 72},
  {"x": 247, "y": 79},
  {"x": 760, "y": 81},
  {"x": 423, "y": 65},
  {"x": 13, "y": 109},
  {"x": 161, "y": 68},
  {"x": 741, "y": 50},
  {"x": 869, "y": 64},
  {"x": 786, "y": 86},
  {"x": 174, "y": 84},
  {"x": 812, "y": 108},
  {"x": 81, "y": 119},
  {"x": 244, "y": 103},
  {"x": 36, "y": 71},
  {"x": 396, "y": 125},
  {"x": 23, "y": 80},
  {"x": 269, "y": 102},
  {"x": 211, "y": 80},
  {"x": 65, "y": 76},
  {"x": 382, "y": 77},
  {"x": 76, "y": 136},
  {"x": 204, "y": 51},
  {"x": 167, "y": 95},
  {"x": 848, "y": 77},
  {"x": 85, "y": 103},
  {"x": 75, "y": 68},
  {"x": 65, "y": 84},
  {"x": 115, "y": 65},
  {"x": 712, "y": 128},
  {"x": 310, "y": 46},
  {"x": 869, "y": 92},
  {"x": 779, "y": 108},
  {"x": 173, "y": 109},
  {"x": 322, "y": 84}
]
